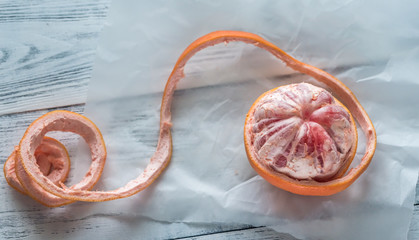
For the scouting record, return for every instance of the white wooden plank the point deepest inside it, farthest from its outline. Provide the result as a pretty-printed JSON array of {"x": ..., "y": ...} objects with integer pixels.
[
  {"x": 41, "y": 224},
  {"x": 414, "y": 224},
  {"x": 246, "y": 234},
  {"x": 50, "y": 10},
  {"x": 46, "y": 52},
  {"x": 417, "y": 193},
  {"x": 269, "y": 234}
]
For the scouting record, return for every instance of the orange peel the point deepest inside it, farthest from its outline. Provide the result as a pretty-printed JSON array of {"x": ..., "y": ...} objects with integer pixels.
[{"x": 72, "y": 122}]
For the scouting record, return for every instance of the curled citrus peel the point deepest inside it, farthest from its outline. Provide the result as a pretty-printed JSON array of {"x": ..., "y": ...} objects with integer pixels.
[
  {"x": 30, "y": 174},
  {"x": 54, "y": 163},
  {"x": 67, "y": 121}
]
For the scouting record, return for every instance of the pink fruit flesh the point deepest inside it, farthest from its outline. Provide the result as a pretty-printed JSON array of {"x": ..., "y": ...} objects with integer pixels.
[{"x": 301, "y": 131}]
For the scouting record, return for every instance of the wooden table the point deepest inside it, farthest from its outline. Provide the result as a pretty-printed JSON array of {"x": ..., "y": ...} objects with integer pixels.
[{"x": 46, "y": 55}]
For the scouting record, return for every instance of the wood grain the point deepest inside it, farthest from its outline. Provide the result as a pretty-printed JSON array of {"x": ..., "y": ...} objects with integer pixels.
[
  {"x": 246, "y": 234},
  {"x": 46, "y": 52},
  {"x": 414, "y": 224}
]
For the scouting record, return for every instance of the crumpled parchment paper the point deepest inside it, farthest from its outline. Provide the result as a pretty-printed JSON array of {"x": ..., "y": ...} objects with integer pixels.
[{"x": 372, "y": 46}]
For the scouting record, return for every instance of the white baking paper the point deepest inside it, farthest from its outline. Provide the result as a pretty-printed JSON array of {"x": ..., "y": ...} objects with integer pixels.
[{"x": 372, "y": 46}]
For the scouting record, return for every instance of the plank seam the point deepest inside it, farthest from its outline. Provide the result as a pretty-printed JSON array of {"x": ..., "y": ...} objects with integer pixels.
[
  {"x": 43, "y": 109},
  {"x": 226, "y": 231}
]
